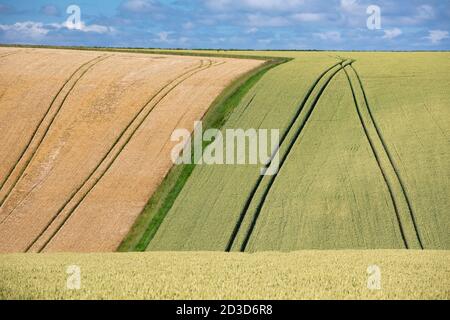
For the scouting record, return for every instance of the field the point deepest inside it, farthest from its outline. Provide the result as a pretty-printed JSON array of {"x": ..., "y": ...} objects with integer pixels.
[
  {"x": 297, "y": 275},
  {"x": 363, "y": 180},
  {"x": 86, "y": 139},
  {"x": 365, "y": 161}
]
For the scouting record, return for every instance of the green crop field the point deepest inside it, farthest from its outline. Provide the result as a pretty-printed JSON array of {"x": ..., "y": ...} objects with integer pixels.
[
  {"x": 365, "y": 161},
  {"x": 298, "y": 275}
]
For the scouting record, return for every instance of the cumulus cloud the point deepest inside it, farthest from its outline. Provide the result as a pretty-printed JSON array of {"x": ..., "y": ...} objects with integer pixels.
[
  {"x": 392, "y": 33},
  {"x": 140, "y": 6},
  {"x": 319, "y": 24},
  {"x": 37, "y": 30},
  {"x": 33, "y": 30},
  {"x": 352, "y": 14},
  {"x": 263, "y": 20},
  {"x": 436, "y": 36},
  {"x": 164, "y": 36},
  {"x": 83, "y": 27},
  {"x": 254, "y": 5},
  {"x": 350, "y": 6}
]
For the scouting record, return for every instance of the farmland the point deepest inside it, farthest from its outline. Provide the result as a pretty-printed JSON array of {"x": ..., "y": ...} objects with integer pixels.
[
  {"x": 297, "y": 275},
  {"x": 363, "y": 180},
  {"x": 89, "y": 144},
  {"x": 365, "y": 162}
]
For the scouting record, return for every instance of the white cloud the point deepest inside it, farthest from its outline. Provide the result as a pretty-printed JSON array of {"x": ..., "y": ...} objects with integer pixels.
[
  {"x": 329, "y": 36},
  {"x": 139, "y": 6},
  {"x": 38, "y": 30},
  {"x": 392, "y": 33},
  {"x": 350, "y": 6},
  {"x": 29, "y": 29},
  {"x": 352, "y": 13},
  {"x": 436, "y": 36},
  {"x": 255, "y": 5},
  {"x": 164, "y": 36},
  {"x": 83, "y": 27}
]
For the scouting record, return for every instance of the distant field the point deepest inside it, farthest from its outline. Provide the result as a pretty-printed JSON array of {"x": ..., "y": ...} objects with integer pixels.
[
  {"x": 85, "y": 139},
  {"x": 298, "y": 275}
]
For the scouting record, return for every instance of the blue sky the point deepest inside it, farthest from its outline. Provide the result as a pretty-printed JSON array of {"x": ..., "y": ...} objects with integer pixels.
[{"x": 230, "y": 24}]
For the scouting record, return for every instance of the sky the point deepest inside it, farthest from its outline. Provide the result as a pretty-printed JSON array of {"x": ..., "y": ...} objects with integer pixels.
[{"x": 230, "y": 24}]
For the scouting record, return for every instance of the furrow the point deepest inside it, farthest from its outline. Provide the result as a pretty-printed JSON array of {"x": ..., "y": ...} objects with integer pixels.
[
  {"x": 42, "y": 129},
  {"x": 391, "y": 175},
  {"x": 272, "y": 179},
  {"x": 260, "y": 178}
]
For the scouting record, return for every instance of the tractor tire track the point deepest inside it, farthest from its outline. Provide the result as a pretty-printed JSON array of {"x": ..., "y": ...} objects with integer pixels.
[
  {"x": 395, "y": 198},
  {"x": 285, "y": 156},
  {"x": 377, "y": 159},
  {"x": 261, "y": 177},
  {"x": 243, "y": 214},
  {"x": 94, "y": 169},
  {"x": 77, "y": 197},
  {"x": 42, "y": 130}
]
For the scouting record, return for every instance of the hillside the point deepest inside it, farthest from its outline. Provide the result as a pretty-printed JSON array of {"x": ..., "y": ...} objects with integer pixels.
[
  {"x": 365, "y": 151},
  {"x": 86, "y": 139}
]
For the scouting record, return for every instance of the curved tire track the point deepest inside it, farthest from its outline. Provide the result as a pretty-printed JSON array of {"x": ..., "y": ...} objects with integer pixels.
[
  {"x": 42, "y": 130},
  {"x": 398, "y": 180},
  {"x": 233, "y": 238}
]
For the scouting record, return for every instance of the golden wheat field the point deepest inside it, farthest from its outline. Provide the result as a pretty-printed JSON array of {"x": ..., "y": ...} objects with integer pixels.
[
  {"x": 170, "y": 275},
  {"x": 85, "y": 139}
]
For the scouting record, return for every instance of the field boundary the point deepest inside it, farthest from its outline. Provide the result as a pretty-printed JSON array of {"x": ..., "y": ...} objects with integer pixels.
[
  {"x": 162, "y": 200},
  {"x": 89, "y": 65},
  {"x": 153, "y": 102},
  {"x": 396, "y": 175}
]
